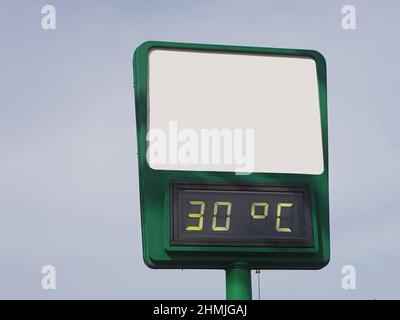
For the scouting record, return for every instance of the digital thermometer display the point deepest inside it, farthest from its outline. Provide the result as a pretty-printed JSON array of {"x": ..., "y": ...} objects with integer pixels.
[{"x": 240, "y": 215}]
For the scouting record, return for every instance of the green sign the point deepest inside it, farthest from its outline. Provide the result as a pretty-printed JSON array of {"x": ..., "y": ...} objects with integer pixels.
[{"x": 199, "y": 209}]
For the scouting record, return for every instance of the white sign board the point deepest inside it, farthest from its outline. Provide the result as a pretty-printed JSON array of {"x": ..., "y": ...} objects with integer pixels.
[{"x": 275, "y": 96}]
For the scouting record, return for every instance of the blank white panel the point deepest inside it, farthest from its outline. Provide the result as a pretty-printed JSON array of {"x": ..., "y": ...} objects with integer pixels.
[{"x": 277, "y": 96}]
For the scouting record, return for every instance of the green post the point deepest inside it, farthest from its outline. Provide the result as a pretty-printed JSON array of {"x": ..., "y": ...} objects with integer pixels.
[{"x": 238, "y": 283}]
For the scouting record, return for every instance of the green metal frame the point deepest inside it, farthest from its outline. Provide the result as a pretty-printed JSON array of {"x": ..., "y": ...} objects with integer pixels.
[{"x": 155, "y": 185}]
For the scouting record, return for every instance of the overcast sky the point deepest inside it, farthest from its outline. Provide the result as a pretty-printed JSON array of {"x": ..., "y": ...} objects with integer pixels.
[{"x": 68, "y": 170}]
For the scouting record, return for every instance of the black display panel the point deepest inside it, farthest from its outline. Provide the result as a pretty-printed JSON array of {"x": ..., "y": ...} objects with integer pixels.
[{"x": 240, "y": 215}]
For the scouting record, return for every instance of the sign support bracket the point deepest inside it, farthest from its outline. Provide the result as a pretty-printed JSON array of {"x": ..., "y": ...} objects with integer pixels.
[{"x": 238, "y": 283}]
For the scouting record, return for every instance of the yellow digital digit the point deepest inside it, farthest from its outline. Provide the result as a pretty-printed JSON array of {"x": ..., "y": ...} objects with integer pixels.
[
  {"x": 195, "y": 215},
  {"x": 278, "y": 217},
  {"x": 254, "y": 205},
  {"x": 228, "y": 216}
]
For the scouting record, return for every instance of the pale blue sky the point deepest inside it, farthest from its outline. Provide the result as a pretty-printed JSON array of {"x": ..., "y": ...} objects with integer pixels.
[{"x": 68, "y": 169}]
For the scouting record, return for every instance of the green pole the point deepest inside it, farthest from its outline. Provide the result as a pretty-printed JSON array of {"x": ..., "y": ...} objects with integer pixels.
[{"x": 238, "y": 283}]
